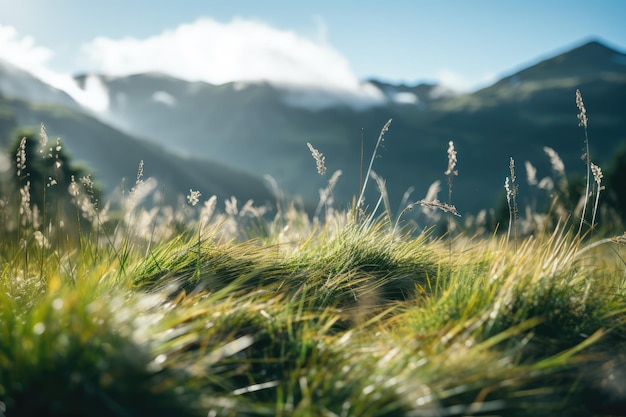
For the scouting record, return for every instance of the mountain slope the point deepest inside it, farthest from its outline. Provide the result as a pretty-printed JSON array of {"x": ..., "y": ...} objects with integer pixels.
[
  {"x": 260, "y": 128},
  {"x": 113, "y": 156},
  {"x": 520, "y": 114},
  {"x": 253, "y": 126},
  {"x": 19, "y": 84}
]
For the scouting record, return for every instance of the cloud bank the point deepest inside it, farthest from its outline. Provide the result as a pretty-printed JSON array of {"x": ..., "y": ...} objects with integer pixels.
[
  {"x": 23, "y": 53},
  {"x": 240, "y": 51},
  {"x": 316, "y": 75},
  {"x": 207, "y": 50}
]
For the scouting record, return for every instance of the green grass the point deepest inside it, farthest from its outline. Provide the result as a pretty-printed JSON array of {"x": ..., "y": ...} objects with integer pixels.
[
  {"x": 196, "y": 314},
  {"x": 357, "y": 323}
]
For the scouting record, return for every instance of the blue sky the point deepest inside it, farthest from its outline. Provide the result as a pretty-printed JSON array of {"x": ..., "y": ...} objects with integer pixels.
[{"x": 465, "y": 44}]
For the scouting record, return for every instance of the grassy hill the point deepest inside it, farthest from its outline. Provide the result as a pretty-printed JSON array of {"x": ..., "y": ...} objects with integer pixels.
[
  {"x": 202, "y": 312},
  {"x": 357, "y": 310},
  {"x": 356, "y": 322}
]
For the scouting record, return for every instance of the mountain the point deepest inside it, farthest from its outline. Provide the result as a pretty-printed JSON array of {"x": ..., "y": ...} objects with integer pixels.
[
  {"x": 113, "y": 156},
  {"x": 257, "y": 128},
  {"x": 247, "y": 126},
  {"x": 422, "y": 95},
  {"x": 261, "y": 128},
  {"x": 20, "y": 84},
  {"x": 535, "y": 107}
]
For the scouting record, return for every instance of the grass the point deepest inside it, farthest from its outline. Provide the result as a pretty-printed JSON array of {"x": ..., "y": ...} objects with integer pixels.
[{"x": 197, "y": 312}]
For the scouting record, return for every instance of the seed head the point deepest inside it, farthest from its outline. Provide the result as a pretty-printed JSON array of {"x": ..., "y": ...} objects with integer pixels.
[
  {"x": 512, "y": 169},
  {"x": 531, "y": 173},
  {"x": 597, "y": 173},
  {"x": 21, "y": 157},
  {"x": 43, "y": 138},
  {"x": 555, "y": 160},
  {"x": 194, "y": 197},
  {"x": 139, "y": 172},
  {"x": 451, "y": 160},
  {"x": 319, "y": 159},
  {"x": 436, "y": 204},
  {"x": 582, "y": 116}
]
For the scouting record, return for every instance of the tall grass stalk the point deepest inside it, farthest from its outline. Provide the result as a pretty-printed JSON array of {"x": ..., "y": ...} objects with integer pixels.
[
  {"x": 597, "y": 177},
  {"x": 327, "y": 197},
  {"x": 450, "y": 173},
  {"x": 193, "y": 198},
  {"x": 361, "y": 200},
  {"x": 511, "y": 188},
  {"x": 582, "y": 118}
]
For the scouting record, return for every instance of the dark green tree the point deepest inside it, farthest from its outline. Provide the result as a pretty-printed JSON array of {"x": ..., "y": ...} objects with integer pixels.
[{"x": 44, "y": 168}]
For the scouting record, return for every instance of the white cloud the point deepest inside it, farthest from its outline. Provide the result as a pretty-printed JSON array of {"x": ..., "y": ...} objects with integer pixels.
[
  {"x": 461, "y": 83},
  {"x": 93, "y": 95},
  {"x": 22, "y": 52},
  {"x": 240, "y": 50},
  {"x": 207, "y": 50}
]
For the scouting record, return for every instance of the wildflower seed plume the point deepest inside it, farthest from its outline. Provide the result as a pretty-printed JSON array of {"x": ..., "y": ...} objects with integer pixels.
[
  {"x": 385, "y": 127},
  {"x": 194, "y": 197},
  {"x": 597, "y": 173},
  {"x": 555, "y": 160},
  {"x": 433, "y": 191},
  {"x": 582, "y": 116},
  {"x": 436, "y": 204},
  {"x": 510, "y": 185},
  {"x": 208, "y": 209},
  {"x": 582, "y": 121},
  {"x": 21, "y": 157},
  {"x": 531, "y": 173},
  {"x": 319, "y": 159},
  {"x": 512, "y": 170},
  {"x": 333, "y": 179},
  {"x": 451, "y": 160},
  {"x": 43, "y": 139},
  {"x": 139, "y": 173}
]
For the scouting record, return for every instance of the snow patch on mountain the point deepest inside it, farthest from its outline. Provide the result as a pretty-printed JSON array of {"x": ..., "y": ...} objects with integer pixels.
[
  {"x": 364, "y": 97},
  {"x": 165, "y": 98},
  {"x": 405, "y": 97}
]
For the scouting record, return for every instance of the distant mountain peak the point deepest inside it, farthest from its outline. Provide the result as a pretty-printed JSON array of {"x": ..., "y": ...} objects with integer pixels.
[
  {"x": 594, "y": 51},
  {"x": 595, "y": 45},
  {"x": 589, "y": 59}
]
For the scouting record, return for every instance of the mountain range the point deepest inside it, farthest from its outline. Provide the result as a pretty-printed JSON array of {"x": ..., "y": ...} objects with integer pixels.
[
  {"x": 111, "y": 155},
  {"x": 222, "y": 139}
]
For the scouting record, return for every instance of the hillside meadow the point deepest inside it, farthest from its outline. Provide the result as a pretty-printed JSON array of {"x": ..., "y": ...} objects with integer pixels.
[{"x": 223, "y": 308}]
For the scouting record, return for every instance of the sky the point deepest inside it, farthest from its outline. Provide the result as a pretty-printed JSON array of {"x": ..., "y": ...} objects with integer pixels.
[{"x": 337, "y": 44}]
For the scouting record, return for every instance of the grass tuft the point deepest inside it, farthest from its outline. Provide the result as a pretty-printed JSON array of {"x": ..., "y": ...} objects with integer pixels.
[{"x": 148, "y": 310}]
